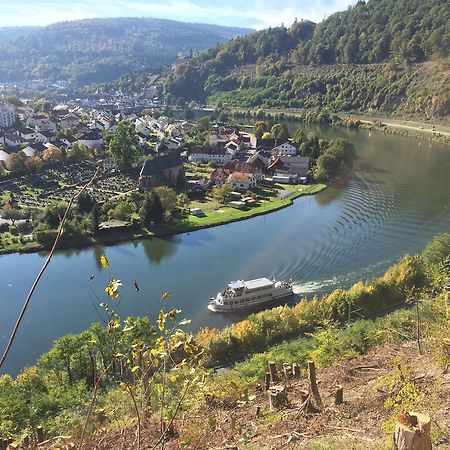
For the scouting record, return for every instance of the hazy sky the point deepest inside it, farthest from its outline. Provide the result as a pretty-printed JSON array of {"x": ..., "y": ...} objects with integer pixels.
[{"x": 245, "y": 13}]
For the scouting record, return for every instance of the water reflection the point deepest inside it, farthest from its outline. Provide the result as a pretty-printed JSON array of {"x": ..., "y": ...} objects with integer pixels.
[
  {"x": 159, "y": 249},
  {"x": 393, "y": 202}
]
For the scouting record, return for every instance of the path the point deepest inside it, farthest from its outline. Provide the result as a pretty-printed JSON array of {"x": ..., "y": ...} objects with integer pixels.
[{"x": 407, "y": 124}]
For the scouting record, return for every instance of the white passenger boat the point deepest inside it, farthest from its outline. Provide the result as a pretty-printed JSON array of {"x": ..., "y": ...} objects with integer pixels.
[{"x": 245, "y": 294}]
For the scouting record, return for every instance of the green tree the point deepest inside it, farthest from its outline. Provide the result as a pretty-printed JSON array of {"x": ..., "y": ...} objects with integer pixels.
[
  {"x": 78, "y": 152},
  {"x": 183, "y": 201},
  {"x": 151, "y": 210},
  {"x": 15, "y": 163},
  {"x": 438, "y": 250},
  {"x": 222, "y": 193},
  {"x": 85, "y": 202},
  {"x": 13, "y": 215},
  {"x": 124, "y": 146},
  {"x": 188, "y": 113},
  {"x": 168, "y": 198}
]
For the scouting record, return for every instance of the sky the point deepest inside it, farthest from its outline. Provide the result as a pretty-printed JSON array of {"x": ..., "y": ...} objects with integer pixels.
[{"x": 243, "y": 13}]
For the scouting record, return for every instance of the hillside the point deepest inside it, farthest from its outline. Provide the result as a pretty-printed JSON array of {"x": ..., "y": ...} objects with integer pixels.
[
  {"x": 10, "y": 33},
  {"x": 125, "y": 381},
  {"x": 99, "y": 50},
  {"x": 384, "y": 42}
]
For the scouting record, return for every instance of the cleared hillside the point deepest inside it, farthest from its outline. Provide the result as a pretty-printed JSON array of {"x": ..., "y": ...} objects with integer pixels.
[{"x": 373, "y": 56}]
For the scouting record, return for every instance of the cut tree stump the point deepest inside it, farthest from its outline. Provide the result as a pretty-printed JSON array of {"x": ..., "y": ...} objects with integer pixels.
[
  {"x": 339, "y": 395},
  {"x": 267, "y": 381},
  {"x": 40, "y": 434},
  {"x": 287, "y": 370},
  {"x": 295, "y": 370},
  {"x": 273, "y": 372},
  {"x": 313, "y": 384},
  {"x": 277, "y": 397},
  {"x": 304, "y": 394},
  {"x": 412, "y": 432}
]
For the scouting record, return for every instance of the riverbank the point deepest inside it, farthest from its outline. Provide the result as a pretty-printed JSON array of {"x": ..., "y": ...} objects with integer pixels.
[
  {"x": 435, "y": 131},
  {"x": 212, "y": 217}
]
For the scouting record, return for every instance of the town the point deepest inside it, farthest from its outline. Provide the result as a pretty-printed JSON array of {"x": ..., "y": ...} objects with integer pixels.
[{"x": 201, "y": 173}]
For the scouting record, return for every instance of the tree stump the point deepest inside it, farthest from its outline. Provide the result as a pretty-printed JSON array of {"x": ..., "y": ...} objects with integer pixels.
[
  {"x": 273, "y": 372},
  {"x": 287, "y": 370},
  {"x": 277, "y": 397},
  {"x": 295, "y": 370},
  {"x": 339, "y": 395},
  {"x": 304, "y": 394},
  {"x": 3, "y": 444},
  {"x": 267, "y": 381},
  {"x": 40, "y": 434},
  {"x": 258, "y": 411},
  {"x": 412, "y": 432},
  {"x": 313, "y": 384}
]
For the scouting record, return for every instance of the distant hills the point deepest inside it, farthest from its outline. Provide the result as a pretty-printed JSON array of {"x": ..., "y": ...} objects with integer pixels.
[
  {"x": 100, "y": 50},
  {"x": 8, "y": 34},
  {"x": 378, "y": 56}
]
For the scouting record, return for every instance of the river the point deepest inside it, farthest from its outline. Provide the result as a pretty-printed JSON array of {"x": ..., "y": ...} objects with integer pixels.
[{"x": 393, "y": 202}]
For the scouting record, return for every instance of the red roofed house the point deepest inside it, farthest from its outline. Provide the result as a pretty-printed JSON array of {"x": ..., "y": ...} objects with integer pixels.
[{"x": 242, "y": 181}]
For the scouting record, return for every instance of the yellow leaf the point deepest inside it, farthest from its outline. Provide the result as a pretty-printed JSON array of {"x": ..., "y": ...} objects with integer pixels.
[
  {"x": 165, "y": 296},
  {"x": 104, "y": 261},
  {"x": 113, "y": 288}
]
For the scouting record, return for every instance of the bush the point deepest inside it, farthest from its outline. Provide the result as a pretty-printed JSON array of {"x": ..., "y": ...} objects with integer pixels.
[{"x": 272, "y": 326}]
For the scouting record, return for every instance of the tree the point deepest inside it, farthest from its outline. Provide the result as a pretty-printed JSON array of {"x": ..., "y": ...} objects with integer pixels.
[
  {"x": 124, "y": 146},
  {"x": 52, "y": 154},
  {"x": 78, "y": 152},
  {"x": 85, "y": 202},
  {"x": 203, "y": 124},
  {"x": 280, "y": 131},
  {"x": 53, "y": 213},
  {"x": 151, "y": 210},
  {"x": 123, "y": 211},
  {"x": 12, "y": 215},
  {"x": 34, "y": 164},
  {"x": 437, "y": 251},
  {"x": 222, "y": 193},
  {"x": 15, "y": 163},
  {"x": 168, "y": 199},
  {"x": 188, "y": 113},
  {"x": 13, "y": 100},
  {"x": 183, "y": 201}
]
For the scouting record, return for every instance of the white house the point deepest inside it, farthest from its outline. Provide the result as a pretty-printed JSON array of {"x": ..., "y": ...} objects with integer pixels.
[
  {"x": 40, "y": 122},
  {"x": 7, "y": 116},
  {"x": 14, "y": 140},
  {"x": 91, "y": 139},
  {"x": 70, "y": 121},
  {"x": 28, "y": 151},
  {"x": 242, "y": 181},
  {"x": 4, "y": 157},
  {"x": 206, "y": 155},
  {"x": 285, "y": 149}
]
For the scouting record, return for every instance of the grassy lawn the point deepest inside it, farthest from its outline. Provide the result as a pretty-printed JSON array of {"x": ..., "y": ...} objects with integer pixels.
[
  {"x": 268, "y": 200},
  {"x": 216, "y": 214}
]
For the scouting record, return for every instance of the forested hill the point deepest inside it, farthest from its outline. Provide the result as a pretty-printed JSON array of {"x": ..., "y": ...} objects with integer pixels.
[
  {"x": 11, "y": 33},
  {"x": 98, "y": 50},
  {"x": 401, "y": 32}
]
